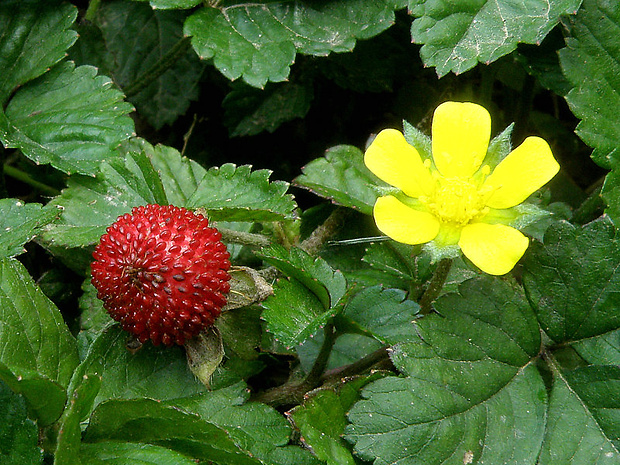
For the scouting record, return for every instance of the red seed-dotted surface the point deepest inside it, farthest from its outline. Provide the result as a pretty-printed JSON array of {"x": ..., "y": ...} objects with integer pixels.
[{"x": 162, "y": 272}]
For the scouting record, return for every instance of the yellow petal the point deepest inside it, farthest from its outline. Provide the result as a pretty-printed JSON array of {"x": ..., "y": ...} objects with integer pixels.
[
  {"x": 396, "y": 162},
  {"x": 402, "y": 223},
  {"x": 460, "y": 138},
  {"x": 525, "y": 170},
  {"x": 494, "y": 248}
]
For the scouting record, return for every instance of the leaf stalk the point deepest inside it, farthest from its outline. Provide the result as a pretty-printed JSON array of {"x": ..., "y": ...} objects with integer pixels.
[{"x": 435, "y": 286}]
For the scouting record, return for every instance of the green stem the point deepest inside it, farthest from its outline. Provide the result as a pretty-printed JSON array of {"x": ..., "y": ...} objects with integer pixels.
[
  {"x": 293, "y": 392},
  {"x": 379, "y": 356},
  {"x": 314, "y": 376},
  {"x": 313, "y": 244},
  {"x": 590, "y": 208},
  {"x": 524, "y": 108},
  {"x": 26, "y": 179},
  {"x": 159, "y": 68},
  {"x": 487, "y": 81},
  {"x": 244, "y": 238},
  {"x": 91, "y": 12},
  {"x": 434, "y": 287}
]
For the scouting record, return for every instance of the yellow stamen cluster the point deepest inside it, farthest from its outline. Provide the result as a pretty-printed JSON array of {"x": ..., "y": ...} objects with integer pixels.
[{"x": 458, "y": 201}]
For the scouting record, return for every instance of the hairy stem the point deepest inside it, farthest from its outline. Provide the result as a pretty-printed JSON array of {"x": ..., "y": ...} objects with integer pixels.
[
  {"x": 435, "y": 286},
  {"x": 314, "y": 376},
  {"x": 591, "y": 208},
  {"x": 292, "y": 392},
  {"x": 379, "y": 356},
  {"x": 244, "y": 238},
  {"x": 321, "y": 234},
  {"x": 26, "y": 179}
]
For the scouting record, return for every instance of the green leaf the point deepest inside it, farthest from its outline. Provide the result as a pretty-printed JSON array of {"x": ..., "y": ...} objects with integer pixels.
[
  {"x": 590, "y": 62},
  {"x": 469, "y": 385},
  {"x": 385, "y": 313},
  {"x": 398, "y": 265},
  {"x": 154, "y": 372},
  {"x": 348, "y": 348},
  {"x": 19, "y": 435},
  {"x": 294, "y": 313},
  {"x": 33, "y": 335},
  {"x": 458, "y": 36},
  {"x": 140, "y": 39},
  {"x": 46, "y": 398},
  {"x": 342, "y": 177},
  {"x": 136, "y": 174},
  {"x": 405, "y": 267},
  {"x": 179, "y": 175},
  {"x": 313, "y": 272},
  {"x": 611, "y": 195},
  {"x": 259, "y": 41},
  {"x": 69, "y": 439},
  {"x": 19, "y": 222},
  {"x": 577, "y": 429},
  {"x": 246, "y": 321},
  {"x": 600, "y": 350},
  {"x": 69, "y": 117},
  {"x": 321, "y": 420},
  {"x": 255, "y": 427},
  {"x": 166, "y": 4},
  {"x": 91, "y": 49},
  {"x": 401, "y": 420},
  {"x": 293, "y": 455},
  {"x": 572, "y": 280},
  {"x": 34, "y": 38},
  {"x": 232, "y": 193},
  {"x": 146, "y": 175},
  {"x": 93, "y": 317},
  {"x": 117, "y": 452},
  {"x": 249, "y": 111},
  {"x": 149, "y": 421}
]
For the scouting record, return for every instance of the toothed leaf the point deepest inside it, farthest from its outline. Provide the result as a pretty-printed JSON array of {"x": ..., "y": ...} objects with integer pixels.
[
  {"x": 456, "y": 36},
  {"x": 294, "y": 313},
  {"x": 469, "y": 384},
  {"x": 236, "y": 193},
  {"x": 591, "y": 62},
  {"x": 34, "y": 38},
  {"x": 19, "y": 222},
  {"x": 313, "y": 272},
  {"x": 259, "y": 41},
  {"x": 69, "y": 117},
  {"x": 342, "y": 177},
  {"x": 146, "y": 175}
]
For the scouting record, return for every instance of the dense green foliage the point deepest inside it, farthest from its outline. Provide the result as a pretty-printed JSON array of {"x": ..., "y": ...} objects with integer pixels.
[{"x": 258, "y": 114}]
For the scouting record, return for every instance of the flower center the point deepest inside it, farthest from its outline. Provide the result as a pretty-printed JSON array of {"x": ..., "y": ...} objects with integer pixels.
[{"x": 456, "y": 201}]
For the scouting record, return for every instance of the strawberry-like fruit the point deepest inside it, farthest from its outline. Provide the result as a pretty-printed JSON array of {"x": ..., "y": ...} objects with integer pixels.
[{"x": 162, "y": 272}]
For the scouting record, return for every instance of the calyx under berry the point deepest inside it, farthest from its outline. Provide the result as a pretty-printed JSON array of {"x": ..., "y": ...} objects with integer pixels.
[{"x": 162, "y": 272}]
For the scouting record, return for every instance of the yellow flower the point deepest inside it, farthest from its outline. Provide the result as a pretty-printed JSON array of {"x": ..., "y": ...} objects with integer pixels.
[{"x": 454, "y": 200}]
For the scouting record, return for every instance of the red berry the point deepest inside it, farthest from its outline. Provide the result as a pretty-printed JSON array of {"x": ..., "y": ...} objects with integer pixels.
[{"x": 161, "y": 271}]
